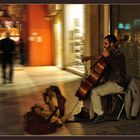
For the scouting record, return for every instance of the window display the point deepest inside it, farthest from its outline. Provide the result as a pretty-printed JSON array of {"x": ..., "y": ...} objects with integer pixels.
[
  {"x": 76, "y": 44},
  {"x": 75, "y": 37}
]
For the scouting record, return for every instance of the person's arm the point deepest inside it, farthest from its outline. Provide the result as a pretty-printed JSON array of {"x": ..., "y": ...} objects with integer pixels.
[
  {"x": 87, "y": 58},
  {"x": 13, "y": 47},
  {"x": 112, "y": 61},
  {"x": 115, "y": 61}
]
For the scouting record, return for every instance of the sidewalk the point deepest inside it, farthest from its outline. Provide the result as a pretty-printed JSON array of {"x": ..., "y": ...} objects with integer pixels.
[{"x": 29, "y": 84}]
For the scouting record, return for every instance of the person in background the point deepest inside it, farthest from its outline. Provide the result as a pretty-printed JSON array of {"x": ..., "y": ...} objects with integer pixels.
[
  {"x": 7, "y": 50},
  {"x": 21, "y": 46}
]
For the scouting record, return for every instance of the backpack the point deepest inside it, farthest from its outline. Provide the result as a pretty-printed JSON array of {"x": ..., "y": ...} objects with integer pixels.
[
  {"x": 132, "y": 99},
  {"x": 38, "y": 121}
]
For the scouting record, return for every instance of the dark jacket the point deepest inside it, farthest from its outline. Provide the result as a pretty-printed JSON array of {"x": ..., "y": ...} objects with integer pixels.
[
  {"x": 7, "y": 48},
  {"x": 116, "y": 67}
]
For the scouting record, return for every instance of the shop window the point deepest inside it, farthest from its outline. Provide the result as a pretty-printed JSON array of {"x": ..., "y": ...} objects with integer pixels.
[{"x": 75, "y": 36}]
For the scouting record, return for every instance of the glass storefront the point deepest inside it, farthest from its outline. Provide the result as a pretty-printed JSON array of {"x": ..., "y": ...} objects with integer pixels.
[
  {"x": 74, "y": 36},
  {"x": 125, "y": 20}
]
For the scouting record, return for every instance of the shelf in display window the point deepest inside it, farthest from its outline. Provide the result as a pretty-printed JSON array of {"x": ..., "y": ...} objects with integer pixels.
[
  {"x": 78, "y": 47},
  {"x": 76, "y": 30},
  {"x": 76, "y": 43},
  {"x": 78, "y": 53}
]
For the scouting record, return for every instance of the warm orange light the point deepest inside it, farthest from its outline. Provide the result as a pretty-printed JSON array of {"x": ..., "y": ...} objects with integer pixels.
[{"x": 40, "y": 37}]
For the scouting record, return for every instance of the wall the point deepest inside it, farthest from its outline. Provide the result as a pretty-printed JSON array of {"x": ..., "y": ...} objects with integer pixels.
[
  {"x": 95, "y": 31},
  {"x": 39, "y": 36}
]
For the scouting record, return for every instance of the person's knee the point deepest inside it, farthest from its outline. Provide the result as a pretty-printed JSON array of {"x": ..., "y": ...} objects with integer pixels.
[{"x": 94, "y": 94}]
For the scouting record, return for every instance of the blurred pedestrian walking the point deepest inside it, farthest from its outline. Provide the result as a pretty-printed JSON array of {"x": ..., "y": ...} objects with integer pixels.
[{"x": 7, "y": 50}]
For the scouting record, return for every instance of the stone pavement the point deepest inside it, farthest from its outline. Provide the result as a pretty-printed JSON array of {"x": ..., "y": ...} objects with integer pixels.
[{"x": 29, "y": 84}]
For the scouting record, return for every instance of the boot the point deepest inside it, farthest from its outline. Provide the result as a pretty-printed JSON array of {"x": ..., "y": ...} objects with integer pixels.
[{"x": 82, "y": 115}]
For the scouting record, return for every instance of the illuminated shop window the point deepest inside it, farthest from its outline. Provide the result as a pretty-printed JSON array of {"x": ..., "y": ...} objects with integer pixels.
[{"x": 75, "y": 35}]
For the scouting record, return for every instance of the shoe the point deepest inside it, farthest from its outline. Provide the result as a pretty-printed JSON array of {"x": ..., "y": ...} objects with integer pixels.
[
  {"x": 82, "y": 116},
  {"x": 59, "y": 124},
  {"x": 133, "y": 118},
  {"x": 98, "y": 119}
]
